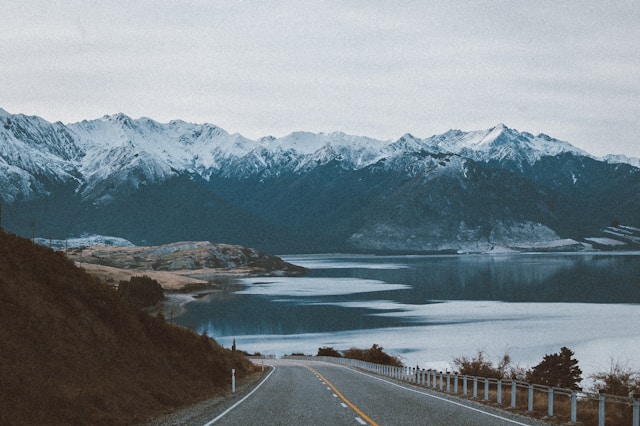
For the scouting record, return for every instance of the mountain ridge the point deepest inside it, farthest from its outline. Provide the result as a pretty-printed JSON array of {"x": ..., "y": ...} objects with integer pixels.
[{"x": 160, "y": 182}]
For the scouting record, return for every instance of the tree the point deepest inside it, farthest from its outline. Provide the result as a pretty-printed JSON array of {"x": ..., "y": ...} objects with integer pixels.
[
  {"x": 142, "y": 291},
  {"x": 557, "y": 370}
]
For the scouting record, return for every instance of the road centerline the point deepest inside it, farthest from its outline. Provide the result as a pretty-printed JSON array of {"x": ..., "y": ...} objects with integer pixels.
[{"x": 362, "y": 415}]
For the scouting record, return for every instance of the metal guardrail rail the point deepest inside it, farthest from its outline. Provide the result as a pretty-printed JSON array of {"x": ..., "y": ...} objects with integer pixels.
[{"x": 493, "y": 390}]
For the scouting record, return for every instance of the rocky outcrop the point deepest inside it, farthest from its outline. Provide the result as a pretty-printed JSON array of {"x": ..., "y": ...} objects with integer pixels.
[{"x": 188, "y": 256}]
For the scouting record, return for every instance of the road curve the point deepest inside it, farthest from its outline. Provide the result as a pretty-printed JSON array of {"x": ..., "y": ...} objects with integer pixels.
[{"x": 317, "y": 393}]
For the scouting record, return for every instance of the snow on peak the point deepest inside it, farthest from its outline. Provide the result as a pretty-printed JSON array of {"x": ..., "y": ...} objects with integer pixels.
[
  {"x": 621, "y": 159},
  {"x": 494, "y": 134},
  {"x": 118, "y": 145},
  {"x": 502, "y": 143},
  {"x": 84, "y": 241}
]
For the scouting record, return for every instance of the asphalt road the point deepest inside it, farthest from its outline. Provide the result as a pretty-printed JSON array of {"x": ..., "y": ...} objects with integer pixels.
[{"x": 317, "y": 393}]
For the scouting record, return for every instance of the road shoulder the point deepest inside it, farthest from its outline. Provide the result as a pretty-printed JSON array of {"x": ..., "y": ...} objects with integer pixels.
[{"x": 203, "y": 411}]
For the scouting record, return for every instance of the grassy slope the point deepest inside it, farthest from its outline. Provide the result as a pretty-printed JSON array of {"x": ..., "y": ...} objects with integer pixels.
[{"x": 71, "y": 352}]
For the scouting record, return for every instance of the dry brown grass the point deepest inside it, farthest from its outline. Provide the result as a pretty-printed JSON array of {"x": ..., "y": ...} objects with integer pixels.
[
  {"x": 170, "y": 281},
  {"x": 617, "y": 412}
]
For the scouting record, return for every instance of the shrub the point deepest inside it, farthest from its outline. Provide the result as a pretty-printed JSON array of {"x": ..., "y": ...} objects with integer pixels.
[
  {"x": 142, "y": 291},
  {"x": 328, "y": 351},
  {"x": 557, "y": 370},
  {"x": 481, "y": 366},
  {"x": 619, "y": 380},
  {"x": 375, "y": 354}
]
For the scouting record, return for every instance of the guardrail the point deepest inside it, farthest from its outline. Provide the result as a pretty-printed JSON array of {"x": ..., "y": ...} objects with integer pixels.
[{"x": 542, "y": 401}]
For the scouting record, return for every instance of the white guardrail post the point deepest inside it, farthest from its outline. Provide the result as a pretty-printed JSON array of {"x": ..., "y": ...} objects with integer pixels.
[
  {"x": 636, "y": 412},
  {"x": 574, "y": 407},
  {"x": 475, "y": 387},
  {"x": 530, "y": 403},
  {"x": 455, "y": 383},
  {"x": 601, "y": 408},
  {"x": 499, "y": 391},
  {"x": 550, "y": 403},
  {"x": 486, "y": 389},
  {"x": 514, "y": 387},
  {"x": 233, "y": 380}
]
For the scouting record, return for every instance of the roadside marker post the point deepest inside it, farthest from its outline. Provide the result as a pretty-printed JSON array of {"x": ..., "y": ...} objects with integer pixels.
[{"x": 233, "y": 380}]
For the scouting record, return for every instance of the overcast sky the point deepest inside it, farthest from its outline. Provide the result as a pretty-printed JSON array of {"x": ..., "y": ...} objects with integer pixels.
[{"x": 570, "y": 69}]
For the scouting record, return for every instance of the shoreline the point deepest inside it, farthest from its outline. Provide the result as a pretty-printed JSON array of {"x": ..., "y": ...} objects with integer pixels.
[{"x": 175, "y": 300}]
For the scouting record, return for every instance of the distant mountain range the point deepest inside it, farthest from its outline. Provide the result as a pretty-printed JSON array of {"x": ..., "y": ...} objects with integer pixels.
[{"x": 152, "y": 183}]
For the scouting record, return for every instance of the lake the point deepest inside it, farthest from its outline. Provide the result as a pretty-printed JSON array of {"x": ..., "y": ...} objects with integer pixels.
[{"x": 430, "y": 309}]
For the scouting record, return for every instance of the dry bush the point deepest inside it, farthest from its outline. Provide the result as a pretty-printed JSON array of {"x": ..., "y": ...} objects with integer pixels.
[
  {"x": 482, "y": 366},
  {"x": 375, "y": 355}
]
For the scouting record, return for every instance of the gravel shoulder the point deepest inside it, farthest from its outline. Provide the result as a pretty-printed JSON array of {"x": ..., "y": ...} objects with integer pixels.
[{"x": 206, "y": 410}]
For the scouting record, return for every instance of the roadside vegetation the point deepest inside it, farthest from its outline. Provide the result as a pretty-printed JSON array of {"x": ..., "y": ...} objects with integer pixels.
[
  {"x": 555, "y": 370},
  {"x": 561, "y": 371},
  {"x": 72, "y": 351},
  {"x": 374, "y": 354}
]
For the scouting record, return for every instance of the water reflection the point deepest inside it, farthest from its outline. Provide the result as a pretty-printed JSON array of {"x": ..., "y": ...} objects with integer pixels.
[
  {"x": 515, "y": 278},
  {"x": 433, "y": 308},
  {"x": 371, "y": 292}
]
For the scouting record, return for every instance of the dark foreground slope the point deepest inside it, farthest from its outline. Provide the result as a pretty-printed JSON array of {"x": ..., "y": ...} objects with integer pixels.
[{"x": 72, "y": 352}]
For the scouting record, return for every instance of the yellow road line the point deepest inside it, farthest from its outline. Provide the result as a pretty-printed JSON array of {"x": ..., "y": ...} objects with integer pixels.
[{"x": 341, "y": 396}]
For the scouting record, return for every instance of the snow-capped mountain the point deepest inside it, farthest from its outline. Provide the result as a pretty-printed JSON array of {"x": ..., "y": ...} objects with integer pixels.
[
  {"x": 33, "y": 154},
  {"x": 152, "y": 182},
  {"x": 502, "y": 143},
  {"x": 117, "y": 153}
]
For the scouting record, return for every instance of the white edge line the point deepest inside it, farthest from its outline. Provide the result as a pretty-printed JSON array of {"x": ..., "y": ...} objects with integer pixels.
[
  {"x": 225, "y": 412},
  {"x": 439, "y": 398}
]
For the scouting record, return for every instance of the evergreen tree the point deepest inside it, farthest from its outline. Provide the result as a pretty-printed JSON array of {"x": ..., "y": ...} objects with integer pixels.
[
  {"x": 557, "y": 370},
  {"x": 142, "y": 291}
]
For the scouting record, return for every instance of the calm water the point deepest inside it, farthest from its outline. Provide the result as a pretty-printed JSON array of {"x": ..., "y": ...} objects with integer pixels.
[{"x": 430, "y": 309}]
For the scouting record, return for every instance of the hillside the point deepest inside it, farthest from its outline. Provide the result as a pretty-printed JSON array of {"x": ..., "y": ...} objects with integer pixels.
[{"x": 72, "y": 352}]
